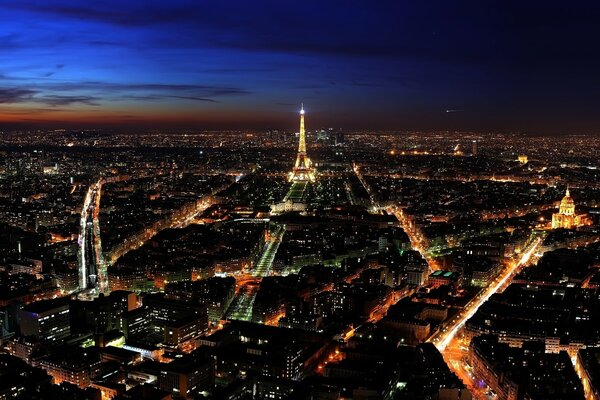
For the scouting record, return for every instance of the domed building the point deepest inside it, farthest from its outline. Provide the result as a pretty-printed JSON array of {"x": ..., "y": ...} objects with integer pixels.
[{"x": 566, "y": 217}]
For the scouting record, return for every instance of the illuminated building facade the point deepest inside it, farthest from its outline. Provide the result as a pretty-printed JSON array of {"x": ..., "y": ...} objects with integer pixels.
[
  {"x": 444, "y": 278},
  {"x": 46, "y": 320},
  {"x": 77, "y": 372},
  {"x": 566, "y": 218},
  {"x": 303, "y": 170}
]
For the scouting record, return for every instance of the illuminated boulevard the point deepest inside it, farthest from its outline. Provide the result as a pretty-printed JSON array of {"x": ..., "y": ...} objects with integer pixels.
[
  {"x": 447, "y": 340},
  {"x": 247, "y": 287},
  {"x": 265, "y": 262},
  {"x": 417, "y": 239},
  {"x": 180, "y": 219},
  {"x": 92, "y": 270},
  {"x": 93, "y": 262}
]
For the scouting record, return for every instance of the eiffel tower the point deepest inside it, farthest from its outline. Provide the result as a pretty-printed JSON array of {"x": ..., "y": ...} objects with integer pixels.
[{"x": 303, "y": 170}]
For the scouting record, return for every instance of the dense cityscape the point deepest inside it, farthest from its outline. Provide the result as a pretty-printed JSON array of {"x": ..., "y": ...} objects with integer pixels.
[
  {"x": 315, "y": 200},
  {"x": 313, "y": 264}
]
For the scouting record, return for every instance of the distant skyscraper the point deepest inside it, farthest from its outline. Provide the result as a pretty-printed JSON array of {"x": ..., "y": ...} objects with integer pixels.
[
  {"x": 322, "y": 135},
  {"x": 339, "y": 138},
  {"x": 474, "y": 150},
  {"x": 303, "y": 170}
]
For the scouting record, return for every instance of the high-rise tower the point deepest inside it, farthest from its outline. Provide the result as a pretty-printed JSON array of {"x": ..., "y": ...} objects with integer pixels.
[{"x": 303, "y": 170}]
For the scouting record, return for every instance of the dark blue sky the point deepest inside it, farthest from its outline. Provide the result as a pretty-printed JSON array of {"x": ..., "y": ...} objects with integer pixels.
[{"x": 527, "y": 66}]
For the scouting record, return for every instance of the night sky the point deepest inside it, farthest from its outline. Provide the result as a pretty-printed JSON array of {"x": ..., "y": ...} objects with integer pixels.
[{"x": 521, "y": 66}]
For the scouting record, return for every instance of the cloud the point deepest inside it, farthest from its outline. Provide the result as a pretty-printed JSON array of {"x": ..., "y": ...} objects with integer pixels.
[
  {"x": 158, "y": 97},
  {"x": 12, "y": 95},
  {"x": 118, "y": 13},
  {"x": 195, "y": 98},
  {"x": 15, "y": 96},
  {"x": 92, "y": 93},
  {"x": 32, "y": 110},
  {"x": 63, "y": 100},
  {"x": 164, "y": 89},
  {"x": 316, "y": 29},
  {"x": 57, "y": 67}
]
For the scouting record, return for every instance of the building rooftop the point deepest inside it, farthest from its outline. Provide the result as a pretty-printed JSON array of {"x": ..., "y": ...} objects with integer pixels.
[
  {"x": 443, "y": 274},
  {"x": 43, "y": 306}
]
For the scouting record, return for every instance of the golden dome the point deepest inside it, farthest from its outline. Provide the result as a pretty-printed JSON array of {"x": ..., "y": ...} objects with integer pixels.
[
  {"x": 567, "y": 199},
  {"x": 567, "y": 205}
]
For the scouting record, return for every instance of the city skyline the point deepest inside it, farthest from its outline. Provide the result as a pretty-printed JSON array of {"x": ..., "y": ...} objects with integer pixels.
[
  {"x": 402, "y": 66},
  {"x": 417, "y": 266},
  {"x": 317, "y": 200}
]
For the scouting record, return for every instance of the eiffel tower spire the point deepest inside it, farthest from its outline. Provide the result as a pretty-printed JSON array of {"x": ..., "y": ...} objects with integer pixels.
[{"x": 303, "y": 169}]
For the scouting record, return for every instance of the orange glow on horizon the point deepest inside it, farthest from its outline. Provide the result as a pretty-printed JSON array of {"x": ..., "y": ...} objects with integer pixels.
[{"x": 135, "y": 115}]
